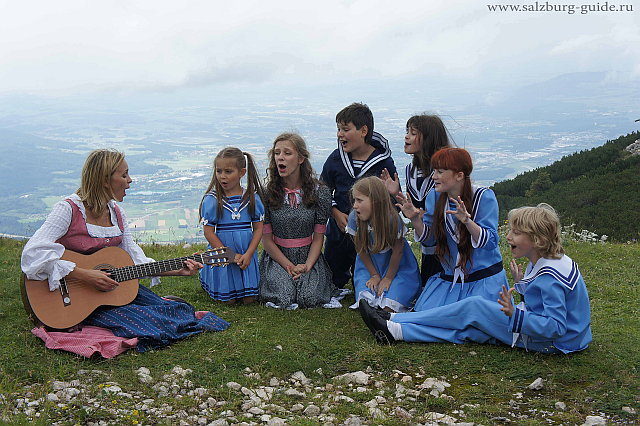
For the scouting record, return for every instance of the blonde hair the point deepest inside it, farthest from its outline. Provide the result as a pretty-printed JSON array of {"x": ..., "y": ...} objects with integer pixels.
[
  {"x": 95, "y": 189},
  {"x": 383, "y": 219},
  {"x": 542, "y": 225}
]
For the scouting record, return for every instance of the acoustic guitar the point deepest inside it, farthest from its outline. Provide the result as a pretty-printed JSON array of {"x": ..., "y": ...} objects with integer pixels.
[{"x": 74, "y": 301}]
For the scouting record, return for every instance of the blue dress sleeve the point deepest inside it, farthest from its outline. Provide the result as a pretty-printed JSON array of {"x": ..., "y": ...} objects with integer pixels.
[
  {"x": 486, "y": 217},
  {"x": 402, "y": 230},
  {"x": 427, "y": 218},
  {"x": 352, "y": 224},
  {"x": 258, "y": 214},
  {"x": 545, "y": 318},
  {"x": 208, "y": 211}
]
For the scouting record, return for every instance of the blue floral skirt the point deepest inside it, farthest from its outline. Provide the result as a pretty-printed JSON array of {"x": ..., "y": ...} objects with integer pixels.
[{"x": 156, "y": 322}]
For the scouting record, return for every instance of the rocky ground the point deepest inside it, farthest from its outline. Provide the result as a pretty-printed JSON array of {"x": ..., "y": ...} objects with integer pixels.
[{"x": 356, "y": 398}]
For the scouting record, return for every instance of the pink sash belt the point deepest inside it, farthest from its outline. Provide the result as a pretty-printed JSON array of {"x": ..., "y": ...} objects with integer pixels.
[{"x": 293, "y": 242}]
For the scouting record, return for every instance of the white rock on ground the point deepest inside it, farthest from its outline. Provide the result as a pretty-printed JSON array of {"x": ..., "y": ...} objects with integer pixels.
[
  {"x": 357, "y": 377},
  {"x": 219, "y": 422},
  {"x": 594, "y": 420},
  {"x": 353, "y": 421},
  {"x": 402, "y": 413},
  {"x": 311, "y": 411},
  {"x": 376, "y": 413},
  {"x": 299, "y": 376},
  {"x": 293, "y": 392},
  {"x": 537, "y": 384},
  {"x": 235, "y": 386},
  {"x": 436, "y": 385}
]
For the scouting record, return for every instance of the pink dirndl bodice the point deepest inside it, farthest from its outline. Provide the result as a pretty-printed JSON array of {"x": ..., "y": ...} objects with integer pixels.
[{"x": 77, "y": 237}]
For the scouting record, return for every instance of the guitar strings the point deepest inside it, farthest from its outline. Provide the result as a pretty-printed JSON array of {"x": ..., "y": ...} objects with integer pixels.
[{"x": 132, "y": 272}]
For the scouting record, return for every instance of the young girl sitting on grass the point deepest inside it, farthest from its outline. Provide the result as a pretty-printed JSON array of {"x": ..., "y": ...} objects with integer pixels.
[
  {"x": 233, "y": 217},
  {"x": 386, "y": 274},
  {"x": 293, "y": 270},
  {"x": 554, "y": 316},
  {"x": 461, "y": 221}
]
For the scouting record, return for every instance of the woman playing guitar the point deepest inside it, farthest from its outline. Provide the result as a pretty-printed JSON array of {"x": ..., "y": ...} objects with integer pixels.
[{"x": 90, "y": 220}]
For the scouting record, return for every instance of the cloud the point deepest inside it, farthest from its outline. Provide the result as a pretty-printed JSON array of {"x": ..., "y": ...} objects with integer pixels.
[{"x": 77, "y": 45}]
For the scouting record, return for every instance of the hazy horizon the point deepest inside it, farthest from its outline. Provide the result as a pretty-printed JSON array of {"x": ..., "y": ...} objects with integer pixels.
[{"x": 171, "y": 83}]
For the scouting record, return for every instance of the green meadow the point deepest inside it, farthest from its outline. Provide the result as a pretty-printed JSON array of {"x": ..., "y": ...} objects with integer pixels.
[{"x": 488, "y": 384}]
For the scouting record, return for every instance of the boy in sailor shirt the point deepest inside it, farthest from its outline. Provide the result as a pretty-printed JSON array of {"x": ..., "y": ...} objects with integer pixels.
[{"x": 361, "y": 152}]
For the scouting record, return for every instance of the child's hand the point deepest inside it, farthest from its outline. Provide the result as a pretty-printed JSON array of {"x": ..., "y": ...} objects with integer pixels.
[
  {"x": 372, "y": 282},
  {"x": 383, "y": 286},
  {"x": 516, "y": 270},
  {"x": 505, "y": 301},
  {"x": 236, "y": 258},
  {"x": 406, "y": 206},
  {"x": 460, "y": 212},
  {"x": 243, "y": 261},
  {"x": 309, "y": 266},
  {"x": 340, "y": 218},
  {"x": 392, "y": 185},
  {"x": 289, "y": 269},
  {"x": 298, "y": 270}
]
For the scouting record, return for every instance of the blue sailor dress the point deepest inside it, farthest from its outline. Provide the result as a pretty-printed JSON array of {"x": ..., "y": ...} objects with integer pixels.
[
  {"x": 485, "y": 273},
  {"x": 553, "y": 318},
  {"x": 418, "y": 186},
  {"x": 405, "y": 285},
  {"x": 234, "y": 229}
]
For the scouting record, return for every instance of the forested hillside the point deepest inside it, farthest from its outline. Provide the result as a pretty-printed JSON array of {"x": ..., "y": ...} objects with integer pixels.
[{"x": 598, "y": 189}]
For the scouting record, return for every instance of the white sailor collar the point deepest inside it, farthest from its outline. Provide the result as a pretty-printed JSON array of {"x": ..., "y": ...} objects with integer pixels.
[
  {"x": 565, "y": 270},
  {"x": 233, "y": 209},
  {"x": 378, "y": 142},
  {"x": 412, "y": 176}
]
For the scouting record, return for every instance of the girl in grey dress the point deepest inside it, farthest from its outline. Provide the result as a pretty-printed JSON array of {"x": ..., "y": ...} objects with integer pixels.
[{"x": 293, "y": 271}]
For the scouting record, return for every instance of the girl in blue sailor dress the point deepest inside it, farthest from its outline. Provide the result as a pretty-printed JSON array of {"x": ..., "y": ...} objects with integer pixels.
[
  {"x": 466, "y": 241},
  {"x": 554, "y": 316},
  {"x": 386, "y": 274},
  {"x": 425, "y": 135},
  {"x": 233, "y": 217}
]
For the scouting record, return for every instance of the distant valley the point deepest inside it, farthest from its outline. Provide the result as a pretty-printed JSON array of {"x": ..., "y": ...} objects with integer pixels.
[{"x": 170, "y": 141}]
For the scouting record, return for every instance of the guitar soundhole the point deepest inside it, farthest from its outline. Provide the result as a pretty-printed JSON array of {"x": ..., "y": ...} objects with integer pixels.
[{"x": 103, "y": 267}]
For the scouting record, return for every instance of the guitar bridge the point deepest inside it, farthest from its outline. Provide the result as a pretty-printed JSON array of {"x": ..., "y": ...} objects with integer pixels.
[{"x": 64, "y": 292}]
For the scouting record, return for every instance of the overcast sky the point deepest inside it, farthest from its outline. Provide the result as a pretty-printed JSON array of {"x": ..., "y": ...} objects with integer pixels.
[{"x": 77, "y": 46}]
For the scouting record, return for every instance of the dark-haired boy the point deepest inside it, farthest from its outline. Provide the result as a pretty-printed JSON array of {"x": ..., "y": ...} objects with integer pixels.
[{"x": 361, "y": 152}]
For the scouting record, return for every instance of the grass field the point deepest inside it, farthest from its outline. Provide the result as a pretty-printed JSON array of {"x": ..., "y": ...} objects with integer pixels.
[{"x": 488, "y": 384}]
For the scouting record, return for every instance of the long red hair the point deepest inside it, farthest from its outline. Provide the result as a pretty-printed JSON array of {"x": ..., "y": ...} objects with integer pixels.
[{"x": 457, "y": 160}]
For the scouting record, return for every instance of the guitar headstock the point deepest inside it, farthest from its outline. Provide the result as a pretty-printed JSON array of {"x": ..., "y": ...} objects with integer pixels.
[{"x": 219, "y": 256}]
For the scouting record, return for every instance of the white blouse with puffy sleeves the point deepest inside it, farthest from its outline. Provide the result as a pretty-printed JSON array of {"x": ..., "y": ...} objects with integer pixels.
[{"x": 41, "y": 255}]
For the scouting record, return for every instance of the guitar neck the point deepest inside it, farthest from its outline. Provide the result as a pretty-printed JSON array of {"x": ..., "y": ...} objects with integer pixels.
[{"x": 150, "y": 269}]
